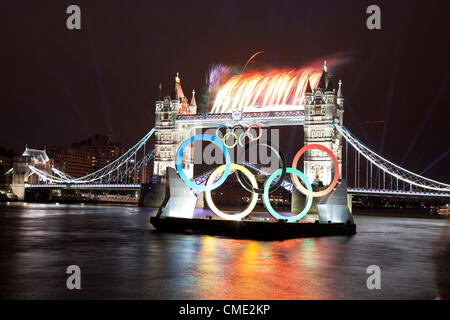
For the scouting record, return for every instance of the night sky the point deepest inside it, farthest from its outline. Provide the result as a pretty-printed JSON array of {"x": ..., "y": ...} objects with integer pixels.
[{"x": 60, "y": 86}]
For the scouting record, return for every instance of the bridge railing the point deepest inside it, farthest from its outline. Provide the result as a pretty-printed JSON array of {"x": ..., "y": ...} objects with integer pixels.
[
  {"x": 111, "y": 172},
  {"x": 389, "y": 167}
]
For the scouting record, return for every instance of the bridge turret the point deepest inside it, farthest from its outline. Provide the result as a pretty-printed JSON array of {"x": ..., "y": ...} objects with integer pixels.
[
  {"x": 324, "y": 79},
  {"x": 321, "y": 108},
  {"x": 340, "y": 95},
  {"x": 178, "y": 93},
  {"x": 193, "y": 104},
  {"x": 308, "y": 90},
  {"x": 165, "y": 137},
  {"x": 22, "y": 173},
  {"x": 168, "y": 135}
]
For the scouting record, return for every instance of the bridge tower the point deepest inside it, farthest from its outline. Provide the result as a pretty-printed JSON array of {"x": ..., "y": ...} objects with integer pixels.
[
  {"x": 168, "y": 137},
  {"x": 169, "y": 134},
  {"x": 323, "y": 105},
  {"x": 165, "y": 136},
  {"x": 22, "y": 173}
]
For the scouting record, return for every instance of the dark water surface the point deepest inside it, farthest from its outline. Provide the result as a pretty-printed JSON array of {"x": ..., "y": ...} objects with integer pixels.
[{"x": 122, "y": 256}]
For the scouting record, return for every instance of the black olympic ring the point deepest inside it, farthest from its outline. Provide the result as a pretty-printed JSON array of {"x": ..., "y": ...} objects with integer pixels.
[
  {"x": 238, "y": 126},
  {"x": 244, "y": 182}
]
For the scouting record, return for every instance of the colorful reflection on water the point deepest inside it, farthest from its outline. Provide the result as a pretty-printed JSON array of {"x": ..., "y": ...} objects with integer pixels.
[
  {"x": 122, "y": 256},
  {"x": 238, "y": 269}
]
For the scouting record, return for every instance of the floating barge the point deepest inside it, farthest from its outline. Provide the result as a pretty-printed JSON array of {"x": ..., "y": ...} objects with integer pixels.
[
  {"x": 248, "y": 229},
  {"x": 334, "y": 217}
]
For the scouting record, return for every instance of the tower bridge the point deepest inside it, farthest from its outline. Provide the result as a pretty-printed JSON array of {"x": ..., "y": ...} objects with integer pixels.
[{"x": 176, "y": 119}]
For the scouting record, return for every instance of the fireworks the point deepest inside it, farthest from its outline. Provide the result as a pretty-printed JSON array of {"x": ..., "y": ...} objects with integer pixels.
[
  {"x": 255, "y": 90},
  {"x": 216, "y": 74},
  {"x": 276, "y": 89}
]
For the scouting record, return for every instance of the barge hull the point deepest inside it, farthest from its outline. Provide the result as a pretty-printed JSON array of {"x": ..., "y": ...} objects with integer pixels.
[{"x": 251, "y": 229}]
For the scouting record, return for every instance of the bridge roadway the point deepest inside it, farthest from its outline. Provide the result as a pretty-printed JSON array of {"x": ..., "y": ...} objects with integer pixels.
[
  {"x": 287, "y": 186},
  {"x": 264, "y": 119},
  {"x": 81, "y": 186},
  {"x": 397, "y": 193}
]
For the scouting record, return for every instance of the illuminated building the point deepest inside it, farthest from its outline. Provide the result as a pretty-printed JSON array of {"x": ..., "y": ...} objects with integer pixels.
[{"x": 87, "y": 156}]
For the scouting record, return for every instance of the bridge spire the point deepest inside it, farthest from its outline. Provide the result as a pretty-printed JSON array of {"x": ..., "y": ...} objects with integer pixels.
[
  {"x": 323, "y": 82},
  {"x": 178, "y": 91},
  {"x": 308, "y": 86},
  {"x": 340, "y": 95},
  {"x": 193, "y": 102},
  {"x": 339, "y": 92}
]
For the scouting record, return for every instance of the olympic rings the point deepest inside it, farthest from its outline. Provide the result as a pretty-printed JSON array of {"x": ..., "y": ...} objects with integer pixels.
[
  {"x": 213, "y": 207},
  {"x": 225, "y": 138},
  {"x": 297, "y": 183},
  {"x": 282, "y": 161},
  {"x": 260, "y": 130},
  {"x": 221, "y": 126},
  {"x": 244, "y": 175},
  {"x": 266, "y": 200},
  {"x": 246, "y": 134},
  {"x": 233, "y": 130},
  {"x": 180, "y": 152}
]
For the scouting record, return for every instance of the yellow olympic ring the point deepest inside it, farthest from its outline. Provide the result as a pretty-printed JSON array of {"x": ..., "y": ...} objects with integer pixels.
[
  {"x": 225, "y": 138},
  {"x": 213, "y": 207}
]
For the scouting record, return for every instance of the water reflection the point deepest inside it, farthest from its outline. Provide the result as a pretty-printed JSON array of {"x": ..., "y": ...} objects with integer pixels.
[{"x": 122, "y": 256}]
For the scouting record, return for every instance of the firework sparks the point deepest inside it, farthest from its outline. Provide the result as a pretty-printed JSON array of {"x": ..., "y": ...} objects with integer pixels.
[
  {"x": 251, "y": 58},
  {"x": 254, "y": 90},
  {"x": 277, "y": 89},
  {"x": 216, "y": 74}
]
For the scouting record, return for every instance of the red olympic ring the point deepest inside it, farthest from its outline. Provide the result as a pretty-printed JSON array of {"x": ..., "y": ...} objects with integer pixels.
[
  {"x": 260, "y": 131},
  {"x": 297, "y": 183}
]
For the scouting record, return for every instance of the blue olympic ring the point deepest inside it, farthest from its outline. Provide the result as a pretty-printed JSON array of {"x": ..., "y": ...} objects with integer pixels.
[
  {"x": 222, "y": 126},
  {"x": 215, "y": 140}
]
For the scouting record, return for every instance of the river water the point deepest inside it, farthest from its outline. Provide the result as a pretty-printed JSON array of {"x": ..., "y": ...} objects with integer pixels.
[{"x": 121, "y": 256}]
